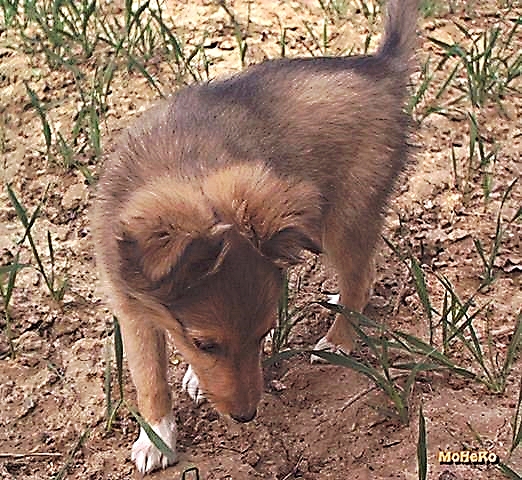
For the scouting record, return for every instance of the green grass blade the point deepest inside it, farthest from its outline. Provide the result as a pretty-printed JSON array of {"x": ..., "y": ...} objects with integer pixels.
[
  {"x": 420, "y": 347},
  {"x": 370, "y": 372},
  {"x": 509, "y": 472},
  {"x": 35, "y": 101},
  {"x": 62, "y": 473},
  {"x": 422, "y": 455},
  {"x": 21, "y": 212},
  {"x": 422, "y": 291},
  {"x": 513, "y": 347},
  {"x": 153, "y": 436},
  {"x": 517, "y": 422},
  {"x": 118, "y": 351}
]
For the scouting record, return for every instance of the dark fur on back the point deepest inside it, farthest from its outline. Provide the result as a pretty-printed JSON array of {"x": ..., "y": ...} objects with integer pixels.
[{"x": 335, "y": 122}]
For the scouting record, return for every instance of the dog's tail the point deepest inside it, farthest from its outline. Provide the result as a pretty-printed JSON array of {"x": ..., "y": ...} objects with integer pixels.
[{"x": 398, "y": 43}]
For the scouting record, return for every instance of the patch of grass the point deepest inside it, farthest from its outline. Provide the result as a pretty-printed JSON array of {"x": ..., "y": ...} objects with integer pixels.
[
  {"x": 57, "y": 287},
  {"x": 66, "y": 25},
  {"x": 396, "y": 359},
  {"x": 422, "y": 102},
  {"x": 91, "y": 43},
  {"x": 456, "y": 321},
  {"x": 239, "y": 35},
  {"x": 458, "y": 328},
  {"x": 287, "y": 319},
  {"x": 491, "y": 63},
  {"x": 334, "y": 9},
  {"x": 486, "y": 160},
  {"x": 85, "y": 129},
  {"x": 488, "y": 258},
  {"x": 9, "y": 10}
]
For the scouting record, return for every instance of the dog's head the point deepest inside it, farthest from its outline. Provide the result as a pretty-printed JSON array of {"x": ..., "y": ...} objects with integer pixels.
[{"x": 213, "y": 251}]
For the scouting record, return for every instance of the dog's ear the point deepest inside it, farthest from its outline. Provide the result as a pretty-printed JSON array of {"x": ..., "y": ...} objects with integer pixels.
[
  {"x": 285, "y": 247},
  {"x": 280, "y": 217},
  {"x": 160, "y": 251},
  {"x": 168, "y": 231}
]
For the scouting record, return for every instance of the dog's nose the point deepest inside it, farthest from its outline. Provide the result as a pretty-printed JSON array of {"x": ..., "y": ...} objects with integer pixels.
[{"x": 244, "y": 418}]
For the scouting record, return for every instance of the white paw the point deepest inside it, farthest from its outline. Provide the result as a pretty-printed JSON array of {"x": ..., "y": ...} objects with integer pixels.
[
  {"x": 326, "y": 346},
  {"x": 146, "y": 456},
  {"x": 191, "y": 385},
  {"x": 334, "y": 299}
]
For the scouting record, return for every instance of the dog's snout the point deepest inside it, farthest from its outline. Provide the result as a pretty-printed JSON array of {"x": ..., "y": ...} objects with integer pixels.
[{"x": 245, "y": 418}]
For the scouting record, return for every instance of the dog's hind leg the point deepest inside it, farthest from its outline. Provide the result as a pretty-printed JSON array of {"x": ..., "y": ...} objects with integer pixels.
[
  {"x": 145, "y": 345},
  {"x": 351, "y": 251}
]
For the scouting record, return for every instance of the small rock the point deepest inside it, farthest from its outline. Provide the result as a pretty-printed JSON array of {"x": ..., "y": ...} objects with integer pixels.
[
  {"x": 252, "y": 458},
  {"x": 30, "y": 341},
  {"x": 378, "y": 302},
  {"x": 74, "y": 196},
  {"x": 277, "y": 386},
  {"x": 227, "y": 45}
]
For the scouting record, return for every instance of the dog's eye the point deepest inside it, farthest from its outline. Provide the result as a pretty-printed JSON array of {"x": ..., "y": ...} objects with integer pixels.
[{"x": 207, "y": 346}]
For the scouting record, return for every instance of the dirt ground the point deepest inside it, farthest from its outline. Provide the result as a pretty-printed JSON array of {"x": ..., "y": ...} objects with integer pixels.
[{"x": 315, "y": 421}]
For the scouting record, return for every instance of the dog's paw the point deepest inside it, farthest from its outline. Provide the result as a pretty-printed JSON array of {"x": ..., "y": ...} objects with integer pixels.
[
  {"x": 191, "y": 385},
  {"x": 145, "y": 454},
  {"x": 326, "y": 346},
  {"x": 334, "y": 299}
]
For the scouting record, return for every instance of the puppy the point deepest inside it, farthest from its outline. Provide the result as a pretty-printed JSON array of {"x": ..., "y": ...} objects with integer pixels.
[{"x": 216, "y": 191}]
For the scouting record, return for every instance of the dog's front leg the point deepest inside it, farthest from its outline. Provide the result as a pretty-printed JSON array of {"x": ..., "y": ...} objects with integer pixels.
[{"x": 147, "y": 358}]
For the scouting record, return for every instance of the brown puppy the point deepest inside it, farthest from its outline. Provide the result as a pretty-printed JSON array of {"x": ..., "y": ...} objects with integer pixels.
[{"x": 217, "y": 190}]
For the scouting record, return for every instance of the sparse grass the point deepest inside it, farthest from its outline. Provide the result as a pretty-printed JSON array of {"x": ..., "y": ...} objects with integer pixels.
[
  {"x": 489, "y": 258},
  {"x": 423, "y": 102},
  {"x": 62, "y": 473},
  {"x": 287, "y": 319},
  {"x": 486, "y": 160},
  {"x": 490, "y": 64},
  {"x": 239, "y": 34},
  {"x": 459, "y": 329},
  {"x": 456, "y": 318},
  {"x": 334, "y": 8},
  {"x": 56, "y": 287},
  {"x": 382, "y": 366},
  {"x": 397, "y": 358},
  {"x": 74, "y": 36}
]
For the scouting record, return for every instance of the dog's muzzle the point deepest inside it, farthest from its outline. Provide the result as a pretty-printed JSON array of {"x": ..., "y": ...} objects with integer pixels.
[{"x": 245, "y": 418}]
